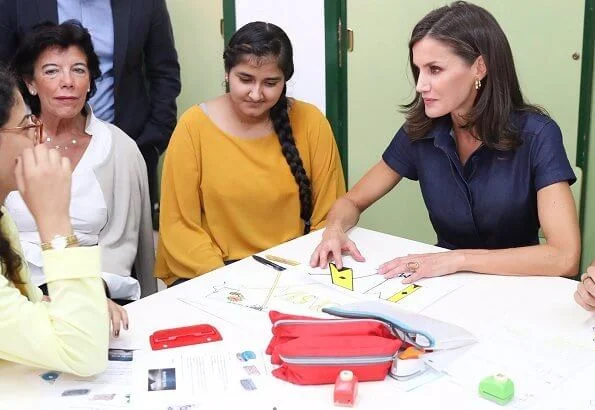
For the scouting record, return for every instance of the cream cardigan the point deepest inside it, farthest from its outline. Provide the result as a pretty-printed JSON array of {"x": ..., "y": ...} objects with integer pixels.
[{"x": 127, "y": 238}]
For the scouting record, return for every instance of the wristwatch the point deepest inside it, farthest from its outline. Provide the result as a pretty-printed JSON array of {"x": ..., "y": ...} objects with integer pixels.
[{"x": 60, "y": 242}]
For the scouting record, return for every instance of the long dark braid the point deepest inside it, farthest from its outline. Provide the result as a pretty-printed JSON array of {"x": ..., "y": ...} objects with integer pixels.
[
  {"x": 280, "y": 118},
  {"x": 261, "y": 39},
  {"x": 9, "y": 259}
]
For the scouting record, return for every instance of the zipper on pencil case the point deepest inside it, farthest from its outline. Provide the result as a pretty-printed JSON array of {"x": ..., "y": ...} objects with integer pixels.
[
  {"x": 336, "y": 361},
  {"x": 324, "y": 321}
]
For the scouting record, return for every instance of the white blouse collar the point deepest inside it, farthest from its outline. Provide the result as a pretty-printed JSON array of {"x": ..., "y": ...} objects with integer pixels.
[{"x": 101, "y": 140}]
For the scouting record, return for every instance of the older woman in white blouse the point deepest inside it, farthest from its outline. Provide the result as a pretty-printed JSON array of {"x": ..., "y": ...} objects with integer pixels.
[{"x": 110, "y": 198}]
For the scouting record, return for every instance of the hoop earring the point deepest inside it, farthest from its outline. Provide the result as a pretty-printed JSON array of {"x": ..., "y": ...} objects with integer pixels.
[{"x": 477, "y": 84}]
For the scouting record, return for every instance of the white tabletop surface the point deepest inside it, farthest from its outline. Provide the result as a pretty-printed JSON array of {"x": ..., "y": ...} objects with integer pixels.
[{"x": 534, "y": 305}]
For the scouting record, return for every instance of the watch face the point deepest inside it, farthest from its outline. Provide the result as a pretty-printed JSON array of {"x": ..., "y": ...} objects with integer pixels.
[{"x": 59, "y": 243}]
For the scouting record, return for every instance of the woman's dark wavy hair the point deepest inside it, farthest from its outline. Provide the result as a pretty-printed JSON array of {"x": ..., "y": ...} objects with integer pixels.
[
  {"x": 9, "y": 259},
  {"x": 263, "y": 40},
  {"x": 49, "y": 35},
  {"x": 472, "y": 31}
]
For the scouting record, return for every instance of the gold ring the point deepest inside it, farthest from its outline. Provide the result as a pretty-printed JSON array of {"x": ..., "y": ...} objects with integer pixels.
[{"x": 412, "y": 266}]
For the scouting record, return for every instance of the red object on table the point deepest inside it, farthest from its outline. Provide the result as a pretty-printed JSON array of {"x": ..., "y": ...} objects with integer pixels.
[
  {"x": 345, "y": 389},
  {"x": 184, "y": 336}
]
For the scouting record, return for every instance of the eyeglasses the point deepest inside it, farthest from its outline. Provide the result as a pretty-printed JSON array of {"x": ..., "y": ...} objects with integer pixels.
[{"x": 34, "y": 129}]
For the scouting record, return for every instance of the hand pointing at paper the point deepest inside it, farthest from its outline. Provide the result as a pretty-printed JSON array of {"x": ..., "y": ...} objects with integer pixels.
[{"x": 334, "y": 244}]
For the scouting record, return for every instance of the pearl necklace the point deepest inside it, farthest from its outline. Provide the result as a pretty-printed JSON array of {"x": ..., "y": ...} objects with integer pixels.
[{"x": 62, "y": 147}]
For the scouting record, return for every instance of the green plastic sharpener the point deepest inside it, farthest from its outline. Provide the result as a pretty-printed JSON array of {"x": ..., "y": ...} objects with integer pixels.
[{"x": 497, "y": 388}]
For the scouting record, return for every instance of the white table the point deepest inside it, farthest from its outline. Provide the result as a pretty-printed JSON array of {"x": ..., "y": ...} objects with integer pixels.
[{"x": 539, "y": 305}]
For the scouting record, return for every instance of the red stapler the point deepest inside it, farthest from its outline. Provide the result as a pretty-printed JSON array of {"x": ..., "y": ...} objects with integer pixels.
[{"x": 184, "y": 336}]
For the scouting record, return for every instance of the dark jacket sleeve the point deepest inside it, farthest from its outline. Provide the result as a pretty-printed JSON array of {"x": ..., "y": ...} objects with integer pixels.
[
  {"x": 8, "y": 31},
  {"x": 163, "y": 77}
]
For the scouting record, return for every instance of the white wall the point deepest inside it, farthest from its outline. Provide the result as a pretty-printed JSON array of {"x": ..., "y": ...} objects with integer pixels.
[{"x": 303, "y": 21}]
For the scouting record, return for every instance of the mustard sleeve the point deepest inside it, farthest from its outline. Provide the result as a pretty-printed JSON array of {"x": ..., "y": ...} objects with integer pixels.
[
  {"x": 70, "y": 333},
  {"x": 185, "y": 249},
  {"x": 328, "y": 182}
]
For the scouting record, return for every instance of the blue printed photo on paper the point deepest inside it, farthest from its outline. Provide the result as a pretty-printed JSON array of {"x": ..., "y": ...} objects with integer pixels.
[{"x": 161, "y": 379}]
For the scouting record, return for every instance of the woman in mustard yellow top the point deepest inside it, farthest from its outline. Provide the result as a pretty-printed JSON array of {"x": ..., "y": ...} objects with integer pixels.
[
  {"x": 70, "y": 333},
  {"x": 247, "y": 170}
]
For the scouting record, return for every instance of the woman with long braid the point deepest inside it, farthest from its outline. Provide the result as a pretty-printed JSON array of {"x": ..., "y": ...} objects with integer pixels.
[{"x": 247, "y": 170}]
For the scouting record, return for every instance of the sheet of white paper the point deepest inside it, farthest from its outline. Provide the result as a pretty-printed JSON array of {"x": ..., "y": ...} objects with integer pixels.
[
  {"x": 428, "y": 376},
  {"x": 575, "y": 397},
  {"x": 117, "y": 378},
  {"x": 361, "y": 278},
  {"x": 202, "y": 374},
  {"x": 126, "y": 340},
  {"x": 294, "y": 292},
  {"x": 110, "y": 389},
  {"x": 537, "y": 365},
  {"x": 584, "y": 337}
]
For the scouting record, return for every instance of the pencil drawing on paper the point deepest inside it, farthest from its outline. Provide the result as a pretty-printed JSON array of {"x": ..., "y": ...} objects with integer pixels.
[
  {"x": 369, "y": 284},
  {"x": 236, "y": 295},
  {"x": 312, "y": 296}
]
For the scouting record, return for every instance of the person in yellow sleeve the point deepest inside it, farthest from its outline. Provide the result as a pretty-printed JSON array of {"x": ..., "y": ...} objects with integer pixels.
[
  {"x": 247, "y": 170},
  {"x": 71, "y": 332}
]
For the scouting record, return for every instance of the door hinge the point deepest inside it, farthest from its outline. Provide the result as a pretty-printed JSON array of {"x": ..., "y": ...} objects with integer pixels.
[{"x": 340, "y": 42}]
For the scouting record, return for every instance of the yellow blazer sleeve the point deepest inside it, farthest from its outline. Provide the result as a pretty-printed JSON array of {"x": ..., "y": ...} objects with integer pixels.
[
  {"x": 328, "y": 182},
  {"x": 70, "y": 333},
  {"x": 185, "y": 249}
]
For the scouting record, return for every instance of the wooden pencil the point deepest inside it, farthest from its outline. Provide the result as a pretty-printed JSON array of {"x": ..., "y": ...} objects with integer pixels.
[{"x": 272, "y": 289}]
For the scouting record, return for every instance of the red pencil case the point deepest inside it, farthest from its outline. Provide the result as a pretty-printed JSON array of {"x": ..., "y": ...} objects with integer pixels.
[
  {"x": 289, "y": 327},
  {"x": 318, "y": 360}
]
